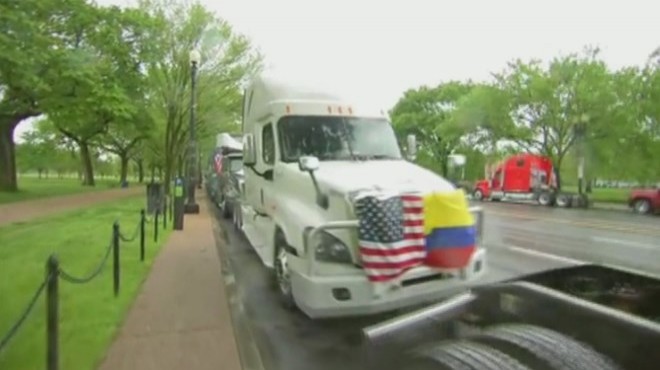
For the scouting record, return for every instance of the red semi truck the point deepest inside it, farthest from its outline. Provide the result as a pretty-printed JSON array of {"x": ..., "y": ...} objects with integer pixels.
[{"x": 525, "y": 177}]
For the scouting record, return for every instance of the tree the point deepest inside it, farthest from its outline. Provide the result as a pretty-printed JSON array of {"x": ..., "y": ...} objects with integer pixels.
[
  {"x": 37, "y": 152},
  {"x": 549, "y": 110},
  {"x": 228, "y": 60},
  {"x": 105, "y": 50},
  {"x": 426, "y": 112},
  {"x": 29, "y": 40}
]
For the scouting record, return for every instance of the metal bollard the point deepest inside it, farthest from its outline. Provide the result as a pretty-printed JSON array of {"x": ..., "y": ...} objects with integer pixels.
[
  {"x": 165, "y": 213},
  {"x": 156, "y": 226},
  {"x": 52, "y": 313},
  {"x": 143, "y": 220},
  {"x": 115, "y": 257}
]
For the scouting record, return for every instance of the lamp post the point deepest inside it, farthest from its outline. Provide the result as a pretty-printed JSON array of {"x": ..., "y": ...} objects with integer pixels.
[
  {"x": 580, "y": 131},
  {"x": 191, "y": 206},
  {"x": 199, "y": 170}
]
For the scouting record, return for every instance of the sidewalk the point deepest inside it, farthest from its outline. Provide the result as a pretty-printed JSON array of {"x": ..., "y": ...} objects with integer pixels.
[
  {"x": 181, "y": 318},
  {"x": 31, "y": 209}
]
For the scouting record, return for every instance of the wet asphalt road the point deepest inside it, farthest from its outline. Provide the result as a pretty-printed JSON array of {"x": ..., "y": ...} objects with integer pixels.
[{"x": 520, "y": 239}]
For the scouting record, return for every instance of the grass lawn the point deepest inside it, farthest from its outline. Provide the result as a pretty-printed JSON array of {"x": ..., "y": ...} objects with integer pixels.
[
  {"x": 89, "y": 313},
  {"x": 32, "y": 188},
  {"x": 606, "y": 195}
]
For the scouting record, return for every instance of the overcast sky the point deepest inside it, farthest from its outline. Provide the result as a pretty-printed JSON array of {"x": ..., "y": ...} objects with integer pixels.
[{"x": 378, "y": 49}]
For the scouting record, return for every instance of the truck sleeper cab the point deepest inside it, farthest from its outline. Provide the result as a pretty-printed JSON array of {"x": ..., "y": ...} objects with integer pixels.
[{"x": 304, "y": 154}]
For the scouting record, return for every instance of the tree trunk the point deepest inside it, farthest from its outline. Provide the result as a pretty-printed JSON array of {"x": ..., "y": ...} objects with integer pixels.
[
  {"x": 7, "y": 158},
  {"x": 167, "y": 178},
  {"x": 140, "y": 170},
  {"x": 180, "y": 166},
  {"x": 87, "y": 166},
  {"x": 123, "y": 162}
]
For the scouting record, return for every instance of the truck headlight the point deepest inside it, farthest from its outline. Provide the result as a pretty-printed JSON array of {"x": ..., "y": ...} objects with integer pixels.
[
  {"x": 328, "y": 248},
  {"x": 478, "y": 214}
]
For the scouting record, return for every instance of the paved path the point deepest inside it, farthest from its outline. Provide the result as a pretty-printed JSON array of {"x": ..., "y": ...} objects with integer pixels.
[
  {"x": 181, "y": 318},
  {"x": 31, "y": 209}
]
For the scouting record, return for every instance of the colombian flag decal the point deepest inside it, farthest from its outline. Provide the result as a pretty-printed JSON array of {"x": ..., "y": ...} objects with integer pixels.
[{"x": 449, "y": 230}]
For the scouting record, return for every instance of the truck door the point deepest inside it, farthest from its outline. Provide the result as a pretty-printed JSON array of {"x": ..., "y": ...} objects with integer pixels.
[
  {"x": 496, "y": 183},
  {"x": 268, "y": 161}
]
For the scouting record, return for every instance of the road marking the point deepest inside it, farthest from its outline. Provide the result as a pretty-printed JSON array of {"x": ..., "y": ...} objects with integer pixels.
[
  {"x": 573, "y": 261},
  {"x": 589, "y": 223},
  {"x": 545, "y": 255},
  {"x": 622, "y": 242}
]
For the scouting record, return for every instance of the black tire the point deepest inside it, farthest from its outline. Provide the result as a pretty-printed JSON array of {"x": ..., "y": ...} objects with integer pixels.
[
  {"x": 544, "y": 349},
  {"x": 564, "y": 201},
  {"x": 286, "y": 295},
  {"x": 461, "y": 355},
  {"x": 546, "y": 199},
  {"x": 237, "y": 216},
  {"x": 642, "y": 206},
  {"x": 226, "y": 208},
  {"x": 478, "y": 195}
]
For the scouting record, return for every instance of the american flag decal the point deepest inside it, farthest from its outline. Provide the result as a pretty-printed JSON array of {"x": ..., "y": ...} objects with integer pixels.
[{"x": 391, "y": 234}]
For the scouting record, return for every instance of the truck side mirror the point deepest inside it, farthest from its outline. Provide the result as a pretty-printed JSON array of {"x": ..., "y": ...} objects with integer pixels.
[
  {"x": 308, "y": 163},
  {"x": 249, "y": 150},
  {"x": 412, "y": 147}
]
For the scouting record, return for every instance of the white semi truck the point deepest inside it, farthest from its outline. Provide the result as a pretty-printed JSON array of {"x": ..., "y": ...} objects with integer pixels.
[{"x": 305, "y": 153}]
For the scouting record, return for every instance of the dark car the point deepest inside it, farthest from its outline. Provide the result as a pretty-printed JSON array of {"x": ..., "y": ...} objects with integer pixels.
[{"x": 645, "y": 200}]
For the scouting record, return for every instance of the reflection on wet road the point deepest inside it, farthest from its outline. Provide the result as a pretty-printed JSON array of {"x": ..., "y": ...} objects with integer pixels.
[{"x": 521, "y": 239}]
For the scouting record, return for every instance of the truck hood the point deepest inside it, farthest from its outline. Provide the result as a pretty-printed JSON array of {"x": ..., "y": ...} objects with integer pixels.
[{"x": 396, "y": 175}]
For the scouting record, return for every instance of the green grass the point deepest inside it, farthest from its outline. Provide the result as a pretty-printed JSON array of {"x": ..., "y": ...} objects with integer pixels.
[
  {"x": 605, "y": 195},
  {"x": 89, "y": 313},
  {"x": 34, "y": 188}
]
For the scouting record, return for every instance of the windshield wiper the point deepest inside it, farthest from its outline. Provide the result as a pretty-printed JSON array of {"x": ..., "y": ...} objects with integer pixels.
[
  {"x": 382, "y": 156},
  {"x": 344, "y": 126},
  {"x": 367, "y": 157}
]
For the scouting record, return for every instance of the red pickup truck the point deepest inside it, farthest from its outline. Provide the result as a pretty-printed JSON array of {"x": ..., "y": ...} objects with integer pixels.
[{"x": 646, "y": 200}]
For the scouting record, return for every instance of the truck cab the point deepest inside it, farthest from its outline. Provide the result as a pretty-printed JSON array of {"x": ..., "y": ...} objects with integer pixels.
[
  {"x": 522, "y": 177},
  {"x": 306, "y": 154},
  {"x": 227, "y": 173}
]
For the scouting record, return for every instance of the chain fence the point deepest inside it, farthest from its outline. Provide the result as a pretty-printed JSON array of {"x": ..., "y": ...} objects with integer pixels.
[{"x": 55, "y": 272}]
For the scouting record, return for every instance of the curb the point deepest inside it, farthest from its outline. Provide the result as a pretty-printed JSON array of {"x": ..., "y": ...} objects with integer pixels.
[{"x": 248, "y": 352}]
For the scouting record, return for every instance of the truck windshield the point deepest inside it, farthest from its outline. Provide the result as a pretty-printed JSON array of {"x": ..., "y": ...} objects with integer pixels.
[{"x": 337, "y": 138}]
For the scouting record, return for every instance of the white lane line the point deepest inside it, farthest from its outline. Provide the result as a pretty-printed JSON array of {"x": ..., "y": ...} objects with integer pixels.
[
  {"x": 549, "y": 256},
  {"x": 573, "y": 261},
  {"x": 623, "y": 242}
]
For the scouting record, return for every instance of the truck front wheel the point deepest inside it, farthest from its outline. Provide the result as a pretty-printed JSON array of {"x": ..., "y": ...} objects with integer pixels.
[
  {"x": 545, "y": 199},
  {"x": 282, "y": 274},
  {"x": 478, "y": 195}
]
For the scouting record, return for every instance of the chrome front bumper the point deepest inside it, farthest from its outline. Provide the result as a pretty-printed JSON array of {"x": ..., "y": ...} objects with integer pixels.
[{"x": 317, "y": 294}]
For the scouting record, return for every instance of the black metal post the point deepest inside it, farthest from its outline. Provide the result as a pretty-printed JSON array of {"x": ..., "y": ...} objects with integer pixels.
[
  {"x": 143, "y": 220},
  {"x": 172, "y": 209},
  {"x": 580, "y": 133},
  {"x": 199, "y": 171},
  {"x": 52, "y": 313},
  {"x": 164, "y": 212},
  {"x": 191, "y": 206},
  {"x": 156, "y": 226},
  {"x": 115, "y": 257}
]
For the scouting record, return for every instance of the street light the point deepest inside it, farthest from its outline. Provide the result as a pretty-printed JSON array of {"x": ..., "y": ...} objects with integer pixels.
[
  {"x": 580, "y": 131},
  {"x": 191, "y": 206}
]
